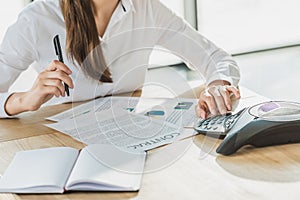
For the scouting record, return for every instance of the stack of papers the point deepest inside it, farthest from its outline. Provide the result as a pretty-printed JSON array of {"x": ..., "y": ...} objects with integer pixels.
[{"x": 130, "y": 123}]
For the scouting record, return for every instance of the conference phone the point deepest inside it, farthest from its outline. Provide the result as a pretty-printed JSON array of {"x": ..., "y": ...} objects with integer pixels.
[{"x": 265, "y": 124}]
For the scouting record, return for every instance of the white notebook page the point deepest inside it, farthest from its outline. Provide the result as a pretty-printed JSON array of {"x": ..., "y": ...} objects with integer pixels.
[
  {"x": 42, "y": 170},
  {"x": 105, "y": 167}
]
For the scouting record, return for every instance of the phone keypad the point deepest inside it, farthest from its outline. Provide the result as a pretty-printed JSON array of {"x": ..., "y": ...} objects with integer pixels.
[{"x": 217, "y": 125}]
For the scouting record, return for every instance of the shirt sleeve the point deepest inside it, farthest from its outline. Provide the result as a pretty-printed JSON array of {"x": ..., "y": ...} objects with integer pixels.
[
  {"x": 194, "y": 49},
  {"x": 16, "y": 54}
]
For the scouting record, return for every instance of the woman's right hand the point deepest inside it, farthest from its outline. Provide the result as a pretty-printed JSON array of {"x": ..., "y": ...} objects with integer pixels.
[{"x": 49, "y": 83}]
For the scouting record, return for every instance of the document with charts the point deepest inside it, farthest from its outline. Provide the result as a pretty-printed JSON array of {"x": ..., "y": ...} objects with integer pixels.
[
  {"x": 178, "y": 111},
  {"x": 129, "y": 131}
]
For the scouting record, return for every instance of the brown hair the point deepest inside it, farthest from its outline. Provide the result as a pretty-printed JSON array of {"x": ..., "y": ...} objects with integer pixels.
[{"x": 83, "y": 44}]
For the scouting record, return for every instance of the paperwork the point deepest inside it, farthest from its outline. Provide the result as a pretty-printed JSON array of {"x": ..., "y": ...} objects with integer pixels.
[
  {"x": 96, "y": 105},
  {"x": 132, "y": 124},
  {"x": 179, "y": 111}
]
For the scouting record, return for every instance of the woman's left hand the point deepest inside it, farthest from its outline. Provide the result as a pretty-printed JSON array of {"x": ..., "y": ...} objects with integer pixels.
[{"x": 216, "y": 99}]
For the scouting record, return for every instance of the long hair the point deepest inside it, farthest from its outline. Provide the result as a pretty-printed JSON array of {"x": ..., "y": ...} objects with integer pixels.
[{"x": 83, "y": 44}]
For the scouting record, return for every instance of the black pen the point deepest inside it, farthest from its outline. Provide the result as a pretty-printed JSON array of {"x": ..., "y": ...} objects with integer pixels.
[{"x": 60, "y": 57}]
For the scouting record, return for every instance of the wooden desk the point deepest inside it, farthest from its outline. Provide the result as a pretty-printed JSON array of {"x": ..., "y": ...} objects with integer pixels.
[{"x": 189, "y": 169}]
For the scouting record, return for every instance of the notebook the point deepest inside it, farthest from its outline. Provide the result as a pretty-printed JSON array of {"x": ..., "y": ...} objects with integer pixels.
[{"x": 60, "y": 169}]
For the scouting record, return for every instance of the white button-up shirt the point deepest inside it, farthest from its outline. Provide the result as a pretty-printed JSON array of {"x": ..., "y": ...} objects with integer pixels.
[{"x": 134, "y": 29}]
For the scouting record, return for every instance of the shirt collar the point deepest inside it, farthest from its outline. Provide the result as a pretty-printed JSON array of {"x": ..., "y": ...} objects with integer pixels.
[
  {"x": 128, "y": 5},
  {"x": 119, "y": 13}
]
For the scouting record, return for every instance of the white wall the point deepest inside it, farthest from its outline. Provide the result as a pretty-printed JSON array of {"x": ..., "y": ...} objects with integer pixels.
[
  {"x": 274, "y": 74},
  {"x": 247, "y": 25},
  {"x": 8, "y": 15}
]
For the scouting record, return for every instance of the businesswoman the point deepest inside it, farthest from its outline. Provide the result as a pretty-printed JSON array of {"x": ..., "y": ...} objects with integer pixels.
[{"x": 106, "y": 46}]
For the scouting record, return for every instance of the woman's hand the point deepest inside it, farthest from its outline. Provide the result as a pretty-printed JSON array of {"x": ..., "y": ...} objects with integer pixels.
[
  {"x": 48, "y": 84},
  {"x": 216, "y": 99}
]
